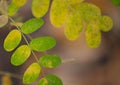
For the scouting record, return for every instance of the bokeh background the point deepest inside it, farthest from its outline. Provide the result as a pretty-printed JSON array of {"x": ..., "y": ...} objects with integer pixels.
[{"x": 82, "y": 65}]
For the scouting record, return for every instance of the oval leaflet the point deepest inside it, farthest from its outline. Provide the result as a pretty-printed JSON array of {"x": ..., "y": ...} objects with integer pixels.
[
  {"x": 50, "y": 79},
  {"x": 50, "y": 61},
  {"x": 31, "y": 25},
  {"x": 42, "y": 43},
  {"x": 32, "y": 73},
  {"x": 12, "y": 40},
  {"x": 20, "y": 55}
]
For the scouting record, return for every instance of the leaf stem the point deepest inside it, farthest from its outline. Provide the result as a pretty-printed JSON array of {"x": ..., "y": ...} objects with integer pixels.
[{"x": 25, "y": 39}]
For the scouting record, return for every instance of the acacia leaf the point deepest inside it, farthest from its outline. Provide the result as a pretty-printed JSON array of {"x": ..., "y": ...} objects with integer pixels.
[
  {"x": 58, "y": 13},
  {"x": 31, "y": 25},
  {"x": 40, "y": 7},
  {"x": 20, "y": 55},
  {"x": 19, "y": 3},
  {"x": 3, "y": 20},
  {"x": 50, "y": 61},
  {"x": 32, "y": 73},
  {"x": 42, "y": 43},
  {"x": 12, "y": 9},
  {"x": 12, "y": 40},
  {"x": 93, "y": 35},
  {"x": 50, "y": 79},
  {"x": 74, "y": 26}
]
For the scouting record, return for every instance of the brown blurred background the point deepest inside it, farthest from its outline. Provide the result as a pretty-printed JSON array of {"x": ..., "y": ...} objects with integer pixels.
[{"x": 99, "y": 66}]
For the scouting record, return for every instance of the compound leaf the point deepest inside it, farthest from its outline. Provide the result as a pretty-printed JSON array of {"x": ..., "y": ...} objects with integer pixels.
[
  {"x": 3, "y": 20},
  {"x": 40, "y": 7},
  {"x": 12, "y": 40},
  {"x": 42, "y": 43},
  {"x": 31, "y": 25},
  {"x": 58, "y": 13},
  {"x": 12, "y": 9},
  {"x": 50, "y": 61},
  {"x": 50, "y": 79},
  {"x": 93, "y": 35},
  {"x": 32, "y": 73},
  {"x": 19, "y": 3},
  {"x": 20, "y": 55}
]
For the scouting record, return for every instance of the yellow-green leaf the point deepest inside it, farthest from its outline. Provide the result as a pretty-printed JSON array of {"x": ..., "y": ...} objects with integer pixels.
[
  {"x": 3, "y": 20},
  {"x": 12, "y": 9},
  {"x": 32, "y": 73},
  {"x": 58, "y": 12},
  {"x": 50, "y": 79},
  {"x": 50, "y": 61},
  {"x": 74, "y": 2},
  {"x": 74, "y": 26},
  {"x": 20, "y": 2},
  {"x": 42, "y": 43},
  {"x": 20, "y": 55},
  {"x": 88, "y": 11},
  {"x": 31, "y": 25},
  {"x": 40, "y": 7},
  {"x": 12, "y": 40},
  {"x": 93, "y": 35},
  {"x": 106, "y": 23}
]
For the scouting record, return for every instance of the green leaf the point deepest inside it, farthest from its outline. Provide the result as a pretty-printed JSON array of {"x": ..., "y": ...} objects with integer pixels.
[
  {"x": 32, "y": 73},
  {"x": 42, "y": 43},
  {"x": 12, "y": 40},
  {"x": 3, "y": 20},
  {"x": 50, "y": 61},
  {"x": 12, "y": 9},
  {"x": 50, "y": 79},
  {"x": 106, "y": 23},
  {"x": 116, "y": 2},
  {"x": 20, "y": 55},
  {"x": 74, "y": 2},
  {"x": 58, "y": 13},
  {"x": 40, "y": 7},
  {"x": 88, "y": 11},
  {"x": 19, "y": 3},
  {"x": 31, "y": 25},
  {"x": 74, "y": 26},
  {"x": 93, "y": 35}
]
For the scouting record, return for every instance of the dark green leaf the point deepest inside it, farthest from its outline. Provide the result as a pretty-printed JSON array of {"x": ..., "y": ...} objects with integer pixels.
[
  {"x": 20, "y": 55},
  {"x": 50, "y": 61},
  {"x": 31, "y": 25},
  {"x": 116, "y": 2},
  {"x": 40, "y": 7},
  {"x": 12, "y": 40},
  {"x": 12, "y": 9},
  {"x": 42, "y": 43},
  {"x": 50, "y": 80},
  {"x": 32, "y": 73},
  {"x": 3, "y": 20}
]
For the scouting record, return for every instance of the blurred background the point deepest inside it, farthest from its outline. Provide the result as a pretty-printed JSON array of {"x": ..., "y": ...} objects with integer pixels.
[{"x": 81, "y": 64}]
